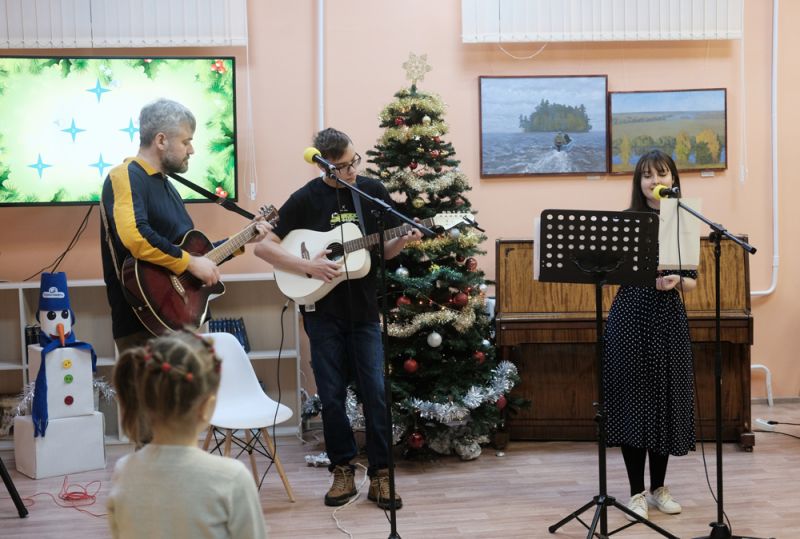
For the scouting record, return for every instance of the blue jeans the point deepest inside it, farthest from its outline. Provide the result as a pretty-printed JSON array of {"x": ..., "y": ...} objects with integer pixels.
[{"x": 342, "y": 351}]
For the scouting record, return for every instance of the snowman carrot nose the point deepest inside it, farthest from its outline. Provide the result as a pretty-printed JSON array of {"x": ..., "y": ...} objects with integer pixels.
[{"x": 60, "y": 331}]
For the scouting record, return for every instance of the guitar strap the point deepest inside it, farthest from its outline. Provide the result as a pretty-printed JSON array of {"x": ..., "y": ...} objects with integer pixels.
[
  {"x": 222, "y": 201},
  {"x": 110, "y": 242},
  {"x": 357, "y": 204}
]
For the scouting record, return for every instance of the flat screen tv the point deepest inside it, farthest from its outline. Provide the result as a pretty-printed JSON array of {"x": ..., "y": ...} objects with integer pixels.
[{"x": 65, "y": 122}]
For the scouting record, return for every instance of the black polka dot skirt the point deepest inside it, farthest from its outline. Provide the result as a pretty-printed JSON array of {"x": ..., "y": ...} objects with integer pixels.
[{"x": 648, "y": 371}]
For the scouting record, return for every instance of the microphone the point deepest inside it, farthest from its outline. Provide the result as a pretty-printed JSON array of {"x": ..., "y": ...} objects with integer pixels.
[
  {"x": 662, "y": 191},
  {"x": 313, "y": 155}
]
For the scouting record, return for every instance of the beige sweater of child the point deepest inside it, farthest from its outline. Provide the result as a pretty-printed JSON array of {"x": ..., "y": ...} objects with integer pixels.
[{"x": 183, "y": 492}]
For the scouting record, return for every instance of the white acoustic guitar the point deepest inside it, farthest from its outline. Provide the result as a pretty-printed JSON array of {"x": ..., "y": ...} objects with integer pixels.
[{"x": 348, "y": 245}]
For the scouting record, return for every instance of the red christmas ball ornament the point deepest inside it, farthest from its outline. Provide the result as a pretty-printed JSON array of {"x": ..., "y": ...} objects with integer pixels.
[
  {"x": 416, "y": 440},
  {"x": 501, "y": 402},
  {"x": 472, "y": 264},
  {"x": 403, "y": 300},
  {"x": 479, "y": 356},
  {"x": 412, "y": 165},
  {"x": 410, "y": 365},
  {"x": 434, "y": 153},
  {"x": 399, "y": 121},
  {"x": 460, "y": 299},
  {"x": 460, "y": 259}
]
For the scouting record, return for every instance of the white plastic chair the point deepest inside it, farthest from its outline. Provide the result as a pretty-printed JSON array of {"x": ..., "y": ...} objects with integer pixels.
[
  {"x": 243, "y": 405},
  {"x": 768, "y": 376}
]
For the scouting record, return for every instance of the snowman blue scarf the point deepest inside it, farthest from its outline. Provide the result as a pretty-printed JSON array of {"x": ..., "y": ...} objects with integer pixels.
[{"x": 39, "y": 406}]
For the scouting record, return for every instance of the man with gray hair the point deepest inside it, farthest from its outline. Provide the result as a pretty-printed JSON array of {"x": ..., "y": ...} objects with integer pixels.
[{"x": 145, "y": 217}]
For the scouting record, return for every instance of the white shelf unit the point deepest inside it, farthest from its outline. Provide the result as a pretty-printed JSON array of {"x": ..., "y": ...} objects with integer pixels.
[{"x": 252, "y": 296}]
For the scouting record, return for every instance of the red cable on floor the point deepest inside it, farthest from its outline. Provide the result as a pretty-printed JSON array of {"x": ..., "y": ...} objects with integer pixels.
[{"x": 75, "y": 496}]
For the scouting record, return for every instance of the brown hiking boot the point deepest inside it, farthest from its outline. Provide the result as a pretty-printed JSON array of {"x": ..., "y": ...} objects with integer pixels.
[
  {"x": 379, "y": 490},
  {"x": 343, "y": 487}
]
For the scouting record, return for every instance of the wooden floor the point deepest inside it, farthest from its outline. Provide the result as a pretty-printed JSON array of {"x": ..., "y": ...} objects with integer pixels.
[{"x": 516, "y": 494}]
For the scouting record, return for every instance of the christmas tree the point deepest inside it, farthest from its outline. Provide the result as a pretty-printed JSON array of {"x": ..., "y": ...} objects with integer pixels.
[{"x": 448, "y": 389}]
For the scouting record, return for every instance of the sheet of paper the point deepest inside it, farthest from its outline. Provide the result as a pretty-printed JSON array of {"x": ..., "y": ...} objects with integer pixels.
[{"x": 679, "y": 235}]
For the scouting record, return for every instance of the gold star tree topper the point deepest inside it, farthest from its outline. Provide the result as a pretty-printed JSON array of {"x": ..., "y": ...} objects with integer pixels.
[{"x": 416, "y": 67}]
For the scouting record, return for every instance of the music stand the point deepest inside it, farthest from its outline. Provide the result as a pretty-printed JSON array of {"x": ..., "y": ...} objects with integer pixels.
[
  {"x": 599, "y": 247},
  {"x": 12, "y": 491}
]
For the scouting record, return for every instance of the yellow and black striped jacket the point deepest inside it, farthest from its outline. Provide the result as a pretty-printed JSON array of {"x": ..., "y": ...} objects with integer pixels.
[{"x": 146, "y": 217}]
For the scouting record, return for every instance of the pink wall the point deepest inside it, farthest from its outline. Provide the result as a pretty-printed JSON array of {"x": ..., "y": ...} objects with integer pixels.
[{"x": 365, "y": 46}]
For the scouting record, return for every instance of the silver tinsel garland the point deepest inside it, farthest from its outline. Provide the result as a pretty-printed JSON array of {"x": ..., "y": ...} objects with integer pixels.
[
  {"x": 105, "y": 390},
  {"x": 501, "y": 383},
  {"x": 318, "y": 460}
]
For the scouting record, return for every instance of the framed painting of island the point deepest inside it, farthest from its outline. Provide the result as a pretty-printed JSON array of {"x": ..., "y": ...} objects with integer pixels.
[
  {"x": 689, "y": 125},
  {"x": 543, "y": 125}
]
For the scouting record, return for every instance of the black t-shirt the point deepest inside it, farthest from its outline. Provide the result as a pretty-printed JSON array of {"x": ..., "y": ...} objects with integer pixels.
[{"x": 320, "y": 207}]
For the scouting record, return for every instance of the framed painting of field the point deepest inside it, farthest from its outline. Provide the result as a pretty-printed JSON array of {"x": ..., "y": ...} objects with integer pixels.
[
  {"x": 689, "y": 125},
  {"x": 543, "y": 125}
]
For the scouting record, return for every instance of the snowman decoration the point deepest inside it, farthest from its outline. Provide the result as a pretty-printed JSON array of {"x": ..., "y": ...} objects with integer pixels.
[{"x": 67, "y": 362}]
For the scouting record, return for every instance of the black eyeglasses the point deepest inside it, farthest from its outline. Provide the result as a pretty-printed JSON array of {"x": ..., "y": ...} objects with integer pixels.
[{"x": 354, "y": 164}]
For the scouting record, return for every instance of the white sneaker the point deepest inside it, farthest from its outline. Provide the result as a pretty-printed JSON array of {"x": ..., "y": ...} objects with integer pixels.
[
  {"x": 662, "y": 499},
  {"x": 637, "y": 504}
]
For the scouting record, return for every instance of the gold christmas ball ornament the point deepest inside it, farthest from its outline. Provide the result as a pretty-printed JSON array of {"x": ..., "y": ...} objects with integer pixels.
[
  {"x": 418, "y": 202},
  {"x": 426, "y": 120}
]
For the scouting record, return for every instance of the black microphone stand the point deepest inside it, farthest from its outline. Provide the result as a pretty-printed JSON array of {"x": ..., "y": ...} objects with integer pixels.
[
  {"x": 381, "y": 210},
  {"x": 719, "y": 530}
]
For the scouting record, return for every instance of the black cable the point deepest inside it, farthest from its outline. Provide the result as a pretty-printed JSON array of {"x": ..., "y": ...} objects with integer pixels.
[
  {"x": 771, "y": 422},
  {"x": 784, "y": 433},
  {"x": 280, "y": 393},
  {"x": 60, "y": 258}
]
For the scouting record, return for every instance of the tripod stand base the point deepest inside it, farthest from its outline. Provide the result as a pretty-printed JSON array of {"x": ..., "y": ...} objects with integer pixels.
[
  {"x": 721, "y": 531},
  {"x": 12, "y": 491},
  {"x": 603, "y": 502}
]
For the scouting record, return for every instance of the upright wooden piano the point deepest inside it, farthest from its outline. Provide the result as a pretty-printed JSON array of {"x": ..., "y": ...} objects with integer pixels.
[{"x": 548, "y": 331}]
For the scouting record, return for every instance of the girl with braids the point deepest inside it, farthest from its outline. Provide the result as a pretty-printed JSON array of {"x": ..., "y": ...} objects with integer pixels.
[{"x": 170, "y": 487}]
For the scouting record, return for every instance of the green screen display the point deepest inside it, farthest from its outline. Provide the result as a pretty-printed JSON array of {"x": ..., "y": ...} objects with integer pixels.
[{"x": 65, "y": 122}]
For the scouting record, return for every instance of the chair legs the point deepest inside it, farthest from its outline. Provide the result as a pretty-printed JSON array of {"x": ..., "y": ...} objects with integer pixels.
[
  {"x": 249, "y": 439},
  {"x": 278, "y": 465},
  {"x": 250, "y": 447}
]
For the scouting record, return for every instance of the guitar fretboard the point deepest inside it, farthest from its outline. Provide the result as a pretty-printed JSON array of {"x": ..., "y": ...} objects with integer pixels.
[
  {"x": 366, "y": 242},
  {"x": 234, "y": 243}
]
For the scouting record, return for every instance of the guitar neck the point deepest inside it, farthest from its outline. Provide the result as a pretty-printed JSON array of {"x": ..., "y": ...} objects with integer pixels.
[
  {"x": 365, "y": 242},
  {"x": 233, "y": 244}
]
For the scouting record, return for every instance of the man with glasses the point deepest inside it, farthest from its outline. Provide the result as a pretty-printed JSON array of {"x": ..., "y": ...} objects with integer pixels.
[{"x": 343, "y": 327}]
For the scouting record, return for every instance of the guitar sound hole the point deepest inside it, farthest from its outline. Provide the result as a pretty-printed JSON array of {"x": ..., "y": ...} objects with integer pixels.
[{"x": 335, "y": 251}]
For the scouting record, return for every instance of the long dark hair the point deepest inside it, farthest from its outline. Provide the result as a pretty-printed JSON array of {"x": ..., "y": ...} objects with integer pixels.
[{"x": 655, "y": 159}]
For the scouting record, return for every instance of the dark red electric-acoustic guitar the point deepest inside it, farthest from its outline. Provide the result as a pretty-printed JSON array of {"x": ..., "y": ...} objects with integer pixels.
[{"x": 164, "y": 301}]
